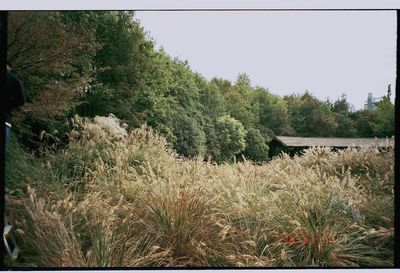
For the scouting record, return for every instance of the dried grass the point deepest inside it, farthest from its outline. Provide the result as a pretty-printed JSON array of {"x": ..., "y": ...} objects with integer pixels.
[{"x": 125, "y": 199}]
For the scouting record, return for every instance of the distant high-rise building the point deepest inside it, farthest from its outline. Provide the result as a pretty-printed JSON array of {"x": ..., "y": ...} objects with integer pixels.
[{"x": 370, "y": 103}]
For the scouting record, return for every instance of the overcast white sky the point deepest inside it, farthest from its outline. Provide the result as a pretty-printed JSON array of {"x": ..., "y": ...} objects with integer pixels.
[{"x": 327, "y": 53}]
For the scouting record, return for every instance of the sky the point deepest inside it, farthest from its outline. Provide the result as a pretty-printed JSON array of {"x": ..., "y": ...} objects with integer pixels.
[
  {"x": 178, "y": 4},
  {"x": 327, "y": 53}
]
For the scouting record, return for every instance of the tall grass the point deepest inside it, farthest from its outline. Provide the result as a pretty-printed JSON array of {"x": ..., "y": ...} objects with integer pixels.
[{"x": 115, "y": 197}]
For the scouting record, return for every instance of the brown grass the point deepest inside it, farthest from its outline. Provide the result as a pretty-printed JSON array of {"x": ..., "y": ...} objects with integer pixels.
[{"x": 118, "y": 198}]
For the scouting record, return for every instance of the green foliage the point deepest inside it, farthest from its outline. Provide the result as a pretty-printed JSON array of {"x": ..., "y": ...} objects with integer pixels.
[
  {"x": 213, "y": 147},
  {"x": 231, "y": 137},
  {"x": 345, "y": 126},
  {"x": 100, "y": 101},
  {"x": 239, "y": 107},
  {"x": 212, "y": 100},
  {"x": 383, "y": 121},
  {"x": 101, "y": 62},
  {"x": 223, "y": 85},
  {"x": 362, "y": 121},
  {"x": 310, "y": 117},
  {"x": 345, "y": 123},
  {"x": 122, "y": 56},
  {"x": 341, "y": 105},
  {"x": 173, "y": 90},
  {"x": 256, "y": 147},
  {"x": 272, "y": 112},
  {"x": 243, "y": 81},
  {"x": 189, "y": 138}
]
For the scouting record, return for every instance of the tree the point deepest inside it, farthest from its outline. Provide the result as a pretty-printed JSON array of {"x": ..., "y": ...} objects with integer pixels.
[
  {"x": 123, "y": 64},
  {"x": 345, "y": 125},
  {"x": 256, "y": 147},
  {"x": 223, "y": 85},
  {"x": 212, "y": 101},
  {"x": 231, "y": 137},
  {"x": 53, "y": 58},
  {"x": 213, "y": 107},
  {"x": 341, "y": 105},
  {"x": 383, "y": 121},
  {"x": 189, "y": 138},
  {"x": 243, "y": 81},
  {"x": 273, "y": 114},
  {"x": 123, "y": 57},
  {"x": 212, "y": 141},
  {"x": 239, "y": 107},
  {"x": 309, "y": 116},
  {"x": 362, "y": 122}
]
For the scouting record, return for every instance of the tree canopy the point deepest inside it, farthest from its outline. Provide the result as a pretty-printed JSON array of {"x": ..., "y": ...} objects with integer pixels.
[{"x": 100, "y": 62}]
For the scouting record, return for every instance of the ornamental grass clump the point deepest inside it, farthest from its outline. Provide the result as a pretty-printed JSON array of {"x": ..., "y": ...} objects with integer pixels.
[
  {"x": 121, "y": 197},
  {"x": 182, "y": 223}
]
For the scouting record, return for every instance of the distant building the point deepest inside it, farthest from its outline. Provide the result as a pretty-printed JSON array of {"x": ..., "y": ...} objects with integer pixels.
[
  {"x": 370, "y": 103},
  {"x": 294, "y": 145}
]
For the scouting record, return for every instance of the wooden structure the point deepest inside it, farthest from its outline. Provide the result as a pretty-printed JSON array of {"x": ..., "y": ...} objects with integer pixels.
[{"x": 294, "y": 145}]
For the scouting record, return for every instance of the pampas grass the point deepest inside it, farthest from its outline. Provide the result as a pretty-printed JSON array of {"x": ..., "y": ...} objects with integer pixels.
[{"x": 115, "y": 197}]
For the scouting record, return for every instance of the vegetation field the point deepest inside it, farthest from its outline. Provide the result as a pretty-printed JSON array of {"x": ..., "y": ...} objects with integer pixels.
[
  {"x": 115, "y": 196},
  {"x": 183, "y": 176}
]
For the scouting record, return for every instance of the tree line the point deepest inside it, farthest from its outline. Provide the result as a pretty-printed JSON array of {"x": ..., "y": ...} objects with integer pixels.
[{"x": 100, "y": 62}]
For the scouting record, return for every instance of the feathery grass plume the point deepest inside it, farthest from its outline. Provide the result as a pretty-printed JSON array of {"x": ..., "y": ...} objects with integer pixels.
[
  {"x": 50, "y": 235},
  {"x": 120, "y": 197},
  {"x": 182, "y": 223}
]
